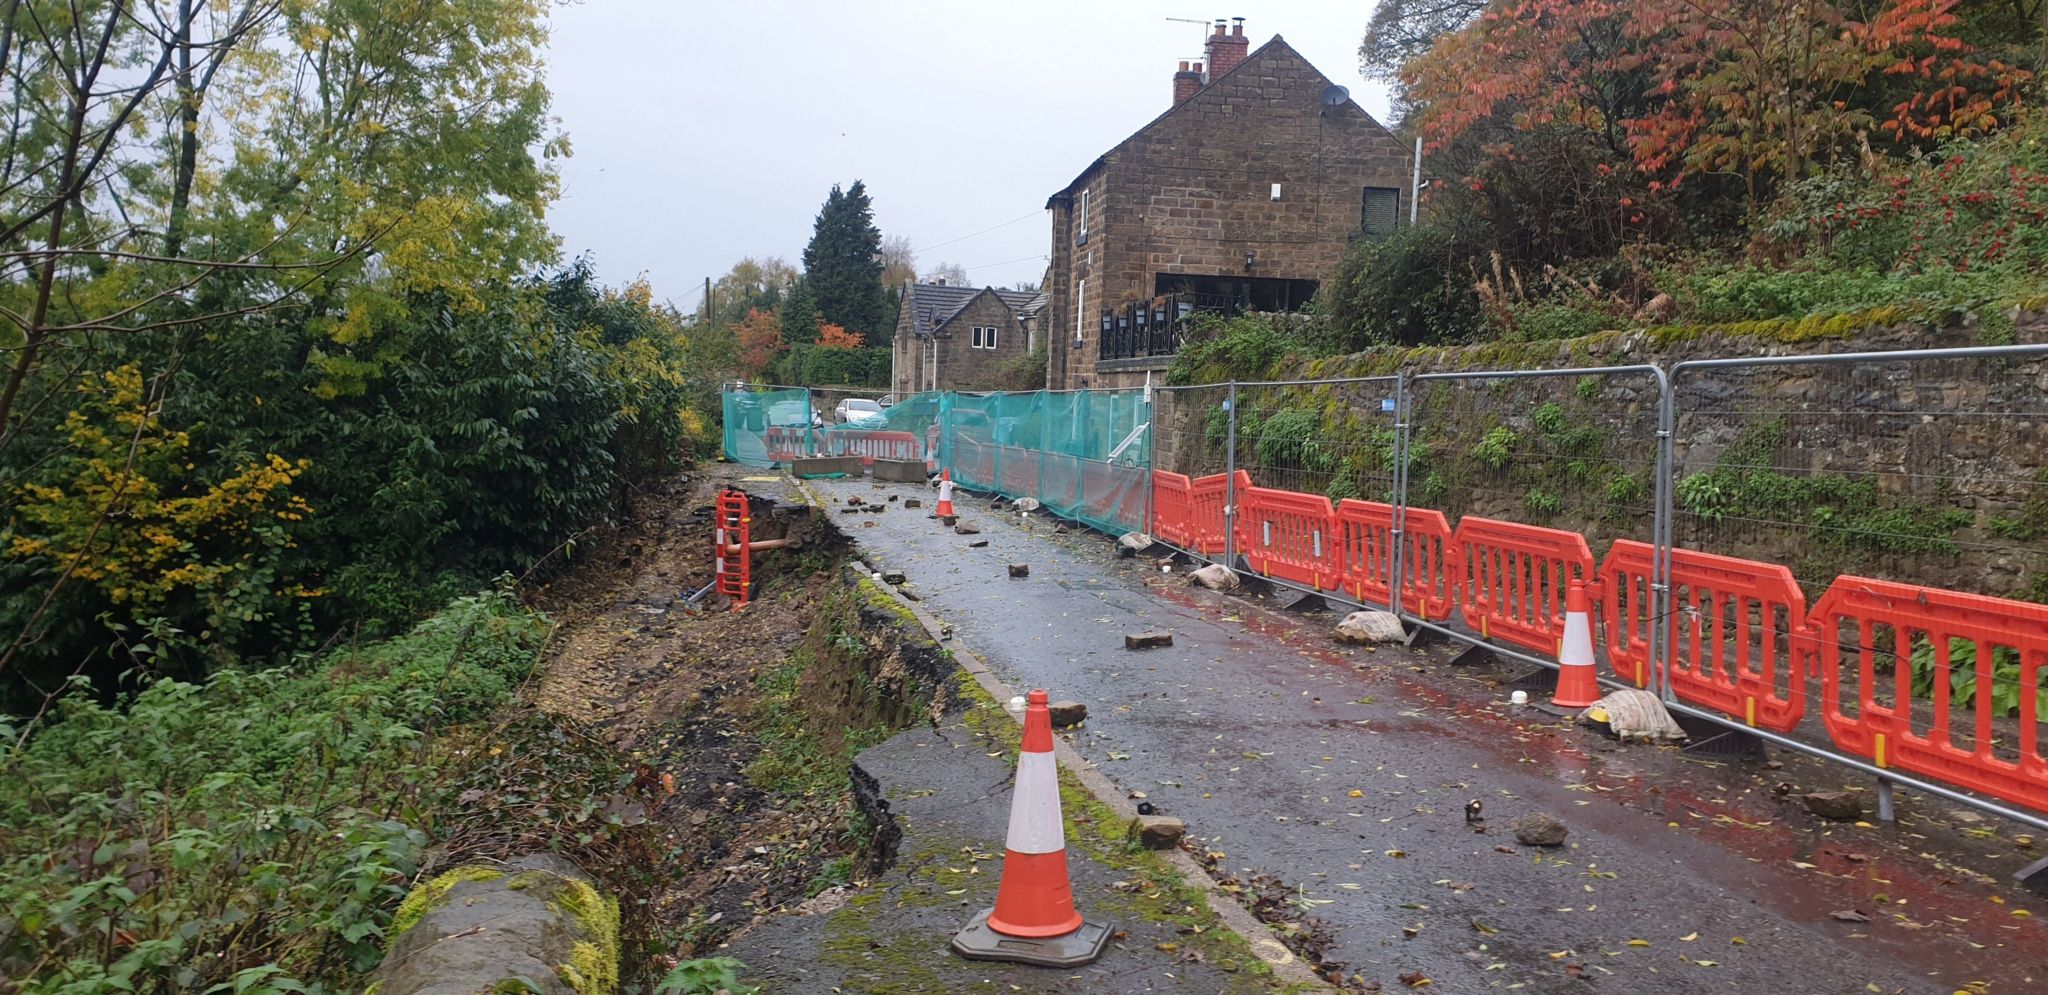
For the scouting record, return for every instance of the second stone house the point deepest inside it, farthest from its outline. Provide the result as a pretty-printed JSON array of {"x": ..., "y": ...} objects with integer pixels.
[
  {"x": 960, "y": 338},
  {"x": 1242, "y": 196}
]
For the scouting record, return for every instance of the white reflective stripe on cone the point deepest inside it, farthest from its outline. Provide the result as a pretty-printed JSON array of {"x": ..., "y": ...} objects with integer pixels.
[
  {"x": 1578, "y": 641},
  {"x": 1035, "y": 811},
  {"x": 945, "y": 490}
]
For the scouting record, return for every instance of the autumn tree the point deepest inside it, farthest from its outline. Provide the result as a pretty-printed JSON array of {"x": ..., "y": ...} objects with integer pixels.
[
  {"x": 834, "y": 337},
  {"x": 1757, "y": 90},
  {"x": 759, "y": 337}
]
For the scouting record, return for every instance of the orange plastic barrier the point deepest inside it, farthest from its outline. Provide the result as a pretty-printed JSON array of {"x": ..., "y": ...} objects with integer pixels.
[
  {"x": 1365, "y": 556},
  {"x": 1880, "y": 715},
  {"x": 1509, "y": 580},
  {"x": 872, "y": 445},
  {"x": 1290, "y": 535},
  {"x": 1017, "y": 471},
  {"x": 1206, "y": 496},
  {"x": 974, "y": 463},
  {"x": 931, "y": 448},
  {"x": 1173, "y": 509},
  {"x": 786, "y": 442},
  {"x": 1732, "y": 627}
]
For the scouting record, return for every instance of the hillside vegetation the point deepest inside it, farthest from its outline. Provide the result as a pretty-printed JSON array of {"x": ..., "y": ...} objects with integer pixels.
[{"x": 1789, "y": 163}]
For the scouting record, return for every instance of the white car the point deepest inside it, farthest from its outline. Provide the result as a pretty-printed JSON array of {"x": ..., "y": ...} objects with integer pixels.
[
  {"x": 856, "y": 410},
  {"x": 789, "y": 413}
]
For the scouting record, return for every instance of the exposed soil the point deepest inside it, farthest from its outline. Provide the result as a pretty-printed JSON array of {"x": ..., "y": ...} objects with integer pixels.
[{"x": 675, "y": 687}]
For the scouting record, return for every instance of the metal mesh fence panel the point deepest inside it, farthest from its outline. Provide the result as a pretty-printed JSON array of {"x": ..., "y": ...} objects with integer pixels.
[
  {"x": 1904, "y": 499},
  {"x": 765, "y": 425},
  {"x": 1537, "y": 476}
]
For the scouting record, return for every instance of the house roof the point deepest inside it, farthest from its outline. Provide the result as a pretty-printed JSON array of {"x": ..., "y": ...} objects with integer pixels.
[
  {"x": 932, "y": 305},
  {"x": 1277, "y": 43}
]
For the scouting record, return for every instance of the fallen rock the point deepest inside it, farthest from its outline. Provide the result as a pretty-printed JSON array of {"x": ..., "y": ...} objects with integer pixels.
[
  {"x": 1537, "y": 829},
  {"x": 1215, "y": 577},
  {"x": 912, "y": 503},
  {"x": 967, "y": 530},
  {"x": 977, "y": 544},
  {"x": 1025, "y": 504},
  {"x": 476, "y": 925},
  {"x": 1840, "y": 806},
  {"x": 855, "y": 501},
  {"x": 1370, "y": 627},
  {"x": 1068, "y": 713},
  {"x": 1132, "y": 543},
  {"x": 1020, "y": 569},
  {"x": 893, "y": 577},
  {"x": 1160, "y": 832},
  {"x": 1147, "y": 640},
  {"x": 948, "y": 520},
  {"x": 1632, "y": 713},
  {"x": 893, "y": 497}
]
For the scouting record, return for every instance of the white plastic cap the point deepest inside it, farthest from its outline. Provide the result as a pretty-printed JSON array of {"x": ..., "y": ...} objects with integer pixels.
[{"x": 1519, "y": 698}]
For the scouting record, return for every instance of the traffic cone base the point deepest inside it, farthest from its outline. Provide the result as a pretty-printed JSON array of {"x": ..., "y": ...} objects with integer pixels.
[
  {"x": 1578, "y": 683},
  {"x": 1082, "y": 946},
  {"x": 1034, "y": 920}
]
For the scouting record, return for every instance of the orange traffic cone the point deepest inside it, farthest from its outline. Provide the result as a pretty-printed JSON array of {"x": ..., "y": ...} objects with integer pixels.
[
  {"x": 1034, "y": 920},
  {"x": 1578, "y": 684},
  {"x": 946, "y": 497}
]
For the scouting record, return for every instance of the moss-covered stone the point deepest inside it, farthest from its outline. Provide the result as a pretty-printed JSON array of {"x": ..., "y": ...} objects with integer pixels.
[
  {"x": 593, "y": 967},
  {"x": 428, "y": 896}
]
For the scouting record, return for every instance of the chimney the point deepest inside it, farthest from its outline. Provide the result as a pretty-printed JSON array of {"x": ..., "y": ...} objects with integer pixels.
[
  {"x": 1186, "y": 83},
  {"x": 1226, "y": 51}
]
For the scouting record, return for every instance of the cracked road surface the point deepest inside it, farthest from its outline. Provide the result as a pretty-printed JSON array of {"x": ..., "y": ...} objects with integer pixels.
[{"x": 1347, "y": 772}]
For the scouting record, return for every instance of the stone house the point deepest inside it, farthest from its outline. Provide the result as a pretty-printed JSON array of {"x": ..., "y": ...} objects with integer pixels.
[
  {"x": 1242, "y": 195},
  {"x": 960, "y": 338}
]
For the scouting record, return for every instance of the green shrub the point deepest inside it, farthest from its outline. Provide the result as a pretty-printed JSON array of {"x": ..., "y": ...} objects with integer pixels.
[
  {"x": 1292, "y": 440},
  {"x": 1220, "y": 349},
  {"x": 1496, "y": 448},
  {"x": 1412, "y": 287},
  {"x": 259, "y": 827}
]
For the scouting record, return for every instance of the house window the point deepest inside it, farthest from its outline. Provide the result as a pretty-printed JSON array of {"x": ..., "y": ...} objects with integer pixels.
[
  {"x": 1081, "y": 219},
  {"x": 984, "y": 337},
  {"x": 1381, "y": 212},
  {"x": 1080, "y": 312}
]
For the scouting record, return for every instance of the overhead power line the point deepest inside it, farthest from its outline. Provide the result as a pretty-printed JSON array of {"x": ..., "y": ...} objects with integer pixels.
[{"x": 984, "y": 231}]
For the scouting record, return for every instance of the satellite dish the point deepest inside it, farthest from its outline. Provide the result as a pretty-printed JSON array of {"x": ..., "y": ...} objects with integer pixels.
[{"x": 1335, "y": 96}]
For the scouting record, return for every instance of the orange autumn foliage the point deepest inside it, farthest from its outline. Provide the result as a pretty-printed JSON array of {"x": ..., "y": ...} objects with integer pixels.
[
  {"x": 832, "y": 336},
  {"x": 759, "y": 337}
]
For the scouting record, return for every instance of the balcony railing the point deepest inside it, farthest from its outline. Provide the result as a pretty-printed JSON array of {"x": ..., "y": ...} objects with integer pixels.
[{"x": 1157, "y": 327}]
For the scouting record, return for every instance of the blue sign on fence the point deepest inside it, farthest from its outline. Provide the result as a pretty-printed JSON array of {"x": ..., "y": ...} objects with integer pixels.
[{"x": 1387, "y": 405}]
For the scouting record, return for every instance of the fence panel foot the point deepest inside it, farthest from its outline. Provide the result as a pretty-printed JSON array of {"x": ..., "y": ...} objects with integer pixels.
[{"x": 1712, "y": 739}]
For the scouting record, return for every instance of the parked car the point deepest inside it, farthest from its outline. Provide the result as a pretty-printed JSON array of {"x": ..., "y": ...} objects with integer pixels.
[
  {"x": 857, "y": 410},
  {"x": 784, "y": 413}
]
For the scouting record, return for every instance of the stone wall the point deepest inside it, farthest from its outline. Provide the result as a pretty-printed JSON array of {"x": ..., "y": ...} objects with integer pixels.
[
  {"x": 1192, "y": 193},
  {"x": 1935, "y": 471}
]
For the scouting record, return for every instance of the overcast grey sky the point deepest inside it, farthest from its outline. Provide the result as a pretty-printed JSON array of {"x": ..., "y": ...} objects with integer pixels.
[{"x": 704, "y": 132}]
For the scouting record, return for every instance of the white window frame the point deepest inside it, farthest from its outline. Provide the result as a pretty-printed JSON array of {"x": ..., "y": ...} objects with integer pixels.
[
  {"x": 1081, "y": 219},
  {"x": 1081, "y": 310},
  {"x": 985, "y": 337},
  {"x": 976, "y": 342}
]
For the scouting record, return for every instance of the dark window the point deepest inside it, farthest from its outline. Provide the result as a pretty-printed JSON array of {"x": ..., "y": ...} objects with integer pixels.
[
  {"x": 1382, "y": 211},
  {"x": 1238, "y": 293}
]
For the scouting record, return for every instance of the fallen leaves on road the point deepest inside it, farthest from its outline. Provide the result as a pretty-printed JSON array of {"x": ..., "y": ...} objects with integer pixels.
[
  {"x": 1415, "y": 979},
  {"x": 1851, "y": 915}
]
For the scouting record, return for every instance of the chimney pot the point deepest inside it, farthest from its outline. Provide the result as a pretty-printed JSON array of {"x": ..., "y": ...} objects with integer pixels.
[
  {"x": 1225, "y": 51},
  {"x": 1183, "y": 65},
  {"x": 1237, "y": 28}
]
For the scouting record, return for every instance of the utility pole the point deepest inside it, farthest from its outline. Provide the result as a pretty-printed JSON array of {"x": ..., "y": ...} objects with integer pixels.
[{"x": 708, "y": 310}]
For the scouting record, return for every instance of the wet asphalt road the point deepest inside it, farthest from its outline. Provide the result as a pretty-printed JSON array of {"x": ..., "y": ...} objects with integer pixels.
[{"x": 1348, "y": 771}]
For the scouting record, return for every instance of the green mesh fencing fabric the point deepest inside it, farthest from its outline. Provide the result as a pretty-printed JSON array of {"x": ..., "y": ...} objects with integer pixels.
[
  {"x": 766, "y": 426},
  {"x": 1084, "y": 455}
]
